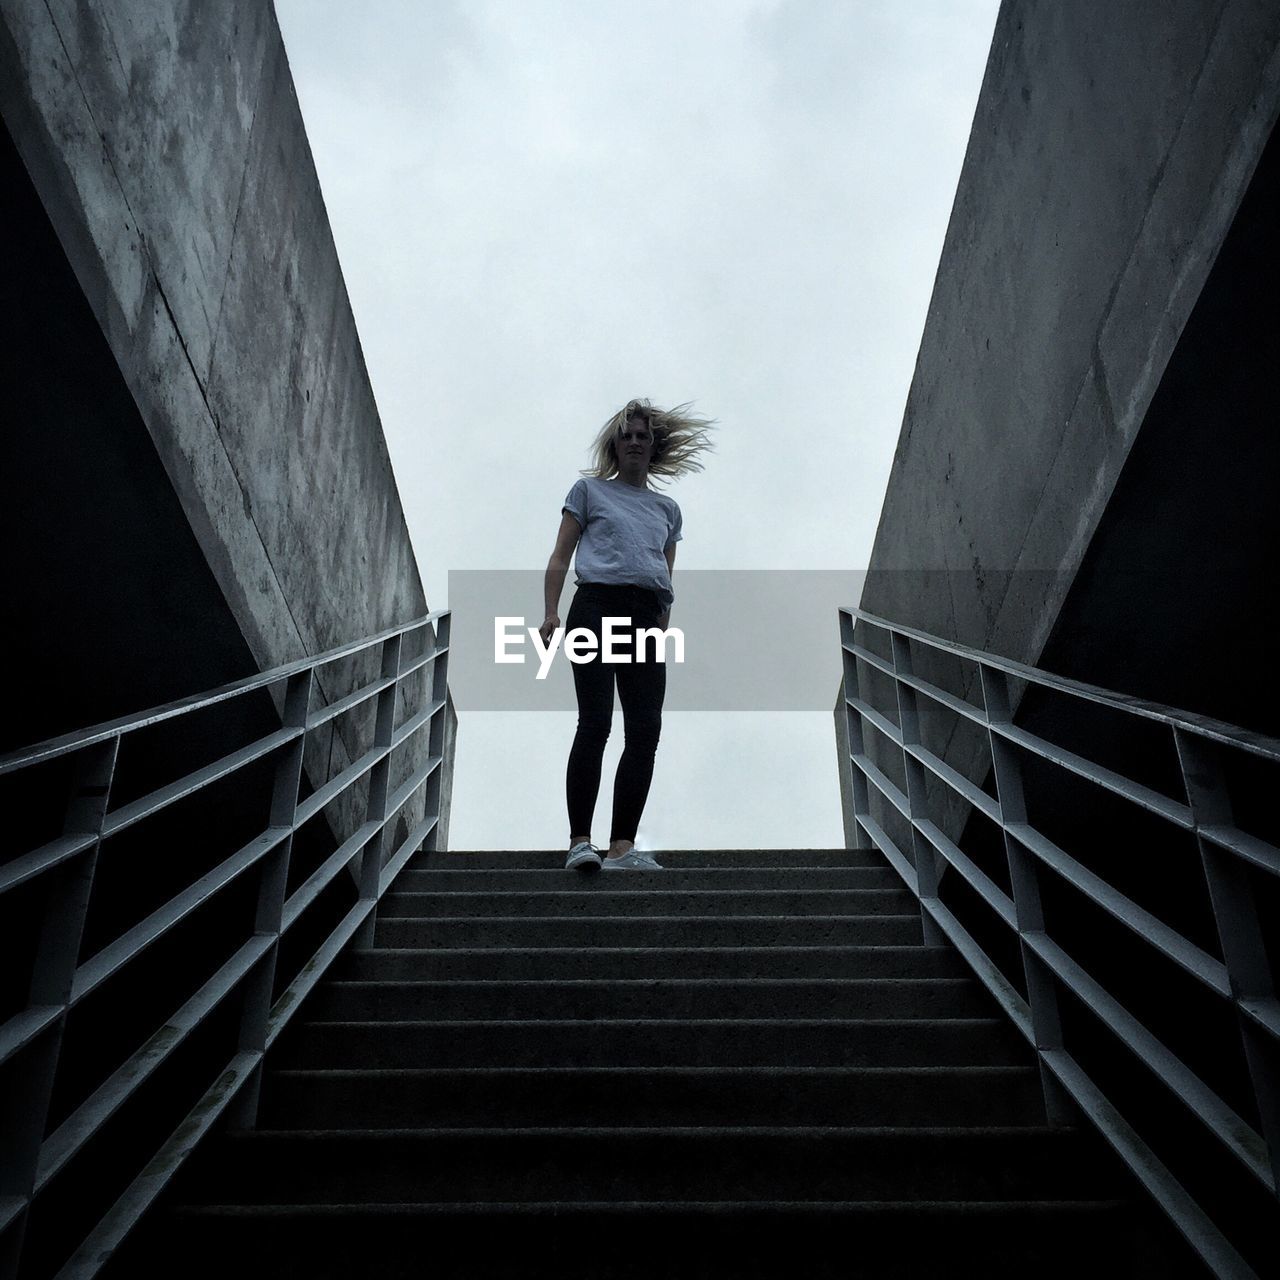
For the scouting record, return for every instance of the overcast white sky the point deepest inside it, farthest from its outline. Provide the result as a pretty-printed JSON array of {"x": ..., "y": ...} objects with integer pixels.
[{"x": 546, "y": 208}]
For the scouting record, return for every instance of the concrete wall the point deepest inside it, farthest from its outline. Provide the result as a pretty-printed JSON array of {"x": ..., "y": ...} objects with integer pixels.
[
  {"x": 1110, "y": 149},
  {"x": 167, "y": 147}
]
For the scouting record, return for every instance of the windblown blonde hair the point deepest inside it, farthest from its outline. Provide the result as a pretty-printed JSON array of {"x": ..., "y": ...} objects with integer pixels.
[{"x": 680, "y": 438}]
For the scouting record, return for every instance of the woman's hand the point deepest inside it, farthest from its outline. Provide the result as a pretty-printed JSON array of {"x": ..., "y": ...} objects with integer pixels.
[{"x": 549, "y": 626}]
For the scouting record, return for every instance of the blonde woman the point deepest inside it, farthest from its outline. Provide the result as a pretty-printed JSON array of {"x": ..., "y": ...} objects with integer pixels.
[{"x": 624, "y": 533}]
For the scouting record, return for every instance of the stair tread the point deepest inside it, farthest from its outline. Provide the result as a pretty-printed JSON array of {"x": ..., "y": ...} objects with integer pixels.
[
  {"x": 888, "y": 1072},
  {"x": 643, "y": 1022},
  {"x": 432, "y": 1207},
  {"x": 1021, "y": 1133},
  {"x": 594, "y": 882},
  {"x": 850, "y": 949},
  {"x": 454, "y": 984},
  {"x": 525, "y": 895},
  {"x": 681, "y": 919}
]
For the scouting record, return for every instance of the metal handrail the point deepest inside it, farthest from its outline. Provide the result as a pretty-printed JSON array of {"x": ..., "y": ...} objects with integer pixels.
[
  {"x": 31, "y": 1039},
  {"x": 109, "y": 729},
  {"x": 1242, "y": 978},
  {"x": 1218, "y": 730}
]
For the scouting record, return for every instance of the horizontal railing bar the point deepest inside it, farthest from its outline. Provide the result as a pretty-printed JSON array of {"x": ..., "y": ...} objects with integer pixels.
[
  {"x": 1204, "y": 726},
  {"x": 882, "y": 784},
  {"x": 141, "y": 1193},
  {"x": 421, "y": 661},
  {"x": 312, "y": 805},
  {"x": 17, "y": 1032},
  {"x": 115, "y": 955},
  {"x": 956, "y": 781},
  {"x": 945, "y": 699},
  {"x": 87, "y": 1119},
  {"x": 415, "y": 722},
  {"x": 400, "y": 797},
  {"x": 1002, "y": 991},
  {"x": 408, "y": 847},
  {"x": 292, "y": 996},
  {"x": 29, "y": 865},
  {"x": 930, "y": 691},
  {"x": 1194, "y": 1224},
  {"x": 152, "y": 803},
  {"x": 54, "y": 747},
  {"x": 883, "y": 723},
  {"x": 1264, "y": 1014},
  {"x": 1192, "y": 959},
  {"x": 883, "y": 665},
  {"x": 977, "y": 879},
  {"x": 1229, "y": 1129},
  {"x": 1108, "y": 779},
  {"x": 320, "y": 879},
  {"x": 1258, "y": 852},
  {"x": 897, "y": 859},
  {"x": 11, "y": 1209},
  {"x": 322, "y": 715},
  {"x": 308, "y": 808}
]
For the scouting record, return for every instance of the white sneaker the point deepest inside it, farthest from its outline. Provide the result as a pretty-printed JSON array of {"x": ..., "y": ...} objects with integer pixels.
[
  {"x": 633, "y": 860},
  {"x": 582, "y": 857}
]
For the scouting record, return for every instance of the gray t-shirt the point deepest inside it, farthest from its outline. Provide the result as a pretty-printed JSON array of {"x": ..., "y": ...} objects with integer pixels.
[{"x": 625, "y": 532}]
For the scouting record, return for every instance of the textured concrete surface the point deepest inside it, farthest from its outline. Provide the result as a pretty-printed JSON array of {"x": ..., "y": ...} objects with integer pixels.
[
  {"x": 1109, "y": 155},
  {"x": 1107, "y": 158},
  {"x": 167, "y": 148}
]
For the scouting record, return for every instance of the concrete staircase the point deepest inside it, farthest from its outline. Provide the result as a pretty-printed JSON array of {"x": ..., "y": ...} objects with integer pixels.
[{"x": 745, "y": 1065}]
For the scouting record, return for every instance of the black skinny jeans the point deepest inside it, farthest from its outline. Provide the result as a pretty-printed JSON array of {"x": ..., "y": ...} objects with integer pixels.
[{"x": 641, "y": 688}]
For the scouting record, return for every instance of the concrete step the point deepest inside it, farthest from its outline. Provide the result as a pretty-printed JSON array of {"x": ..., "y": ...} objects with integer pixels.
[
  {"x": 644, "y": 1042},
  {"x": 518, "y": 1097},
  {"x": 511, "y": 878},
  {"x": 795, "y": 1086},
  {"x": 654, "y": 1163},
  {"x": 664, "y": 901},
  {"x": 756, "y": 1240},
  {"x": 650, "y": 931},
  {"x": 515, "y": 859},
  {"x": 427, "y": 964},
  {"x": 657, "y": 998}
]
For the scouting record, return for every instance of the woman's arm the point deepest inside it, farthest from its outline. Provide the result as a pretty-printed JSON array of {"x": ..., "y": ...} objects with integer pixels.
[
  {"x": 557, "y": 567},
  {"x": 670, "y": 553}
]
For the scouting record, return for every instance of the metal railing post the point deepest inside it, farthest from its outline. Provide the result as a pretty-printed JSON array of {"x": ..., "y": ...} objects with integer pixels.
[
  {"x": 1024, "y": 878},
  {"x": 1239, "y": 929},
  {"x": 25, "y": 1110},
  {"x": 273, "y": 882},
  {"x": 851, "y": 688},
  {"x": 374, "y": 852},
  {"x": 437, "y": 738},
  {"x": 924, "y": 855}
]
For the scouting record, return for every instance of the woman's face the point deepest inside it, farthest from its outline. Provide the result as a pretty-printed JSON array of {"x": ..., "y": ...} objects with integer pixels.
[{"x": 634, "y": 443}]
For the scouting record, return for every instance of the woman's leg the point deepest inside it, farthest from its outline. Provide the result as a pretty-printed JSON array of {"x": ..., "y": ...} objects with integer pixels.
[
  {"x": 642, "y": 686},
  {"x": 593, "y": 685}
]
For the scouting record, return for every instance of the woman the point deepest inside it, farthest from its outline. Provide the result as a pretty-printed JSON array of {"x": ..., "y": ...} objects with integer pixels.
[{"x": 625, "y": 534}]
